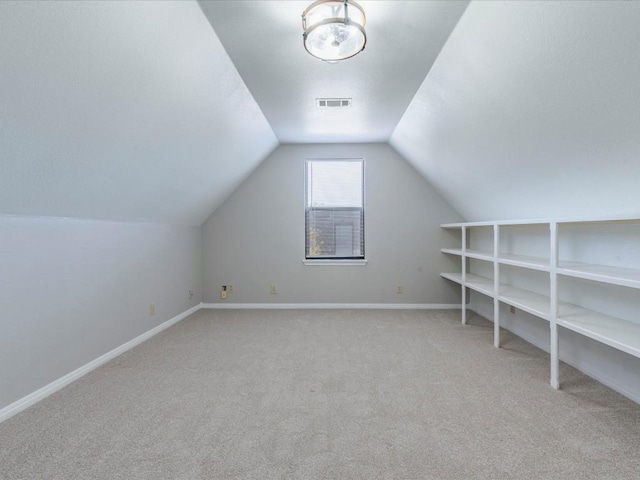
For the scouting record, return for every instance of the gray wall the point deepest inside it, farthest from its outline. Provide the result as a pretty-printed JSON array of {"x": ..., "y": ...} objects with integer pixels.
[
  {"x": 256, "y": 238},
  {"x": 72, "y": 290}
]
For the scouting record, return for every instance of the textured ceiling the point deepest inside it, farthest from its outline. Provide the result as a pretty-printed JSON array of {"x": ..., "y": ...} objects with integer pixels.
[
  {"x": 121, "y": 110},
  {"x": 532, "y": 110},
  {"x": 264, "y": 40}
]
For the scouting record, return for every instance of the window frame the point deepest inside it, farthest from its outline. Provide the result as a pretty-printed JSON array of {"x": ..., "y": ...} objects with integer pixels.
[{"x": 351, "y": 260}]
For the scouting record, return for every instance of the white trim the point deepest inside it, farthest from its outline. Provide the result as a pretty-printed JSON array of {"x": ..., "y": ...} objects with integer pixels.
[
  {"x": 608, "y": 382},
  {"x": 359, "y": 306},
  {"x": 335, "y": 262},
  {"x": 34, "y": 397}
]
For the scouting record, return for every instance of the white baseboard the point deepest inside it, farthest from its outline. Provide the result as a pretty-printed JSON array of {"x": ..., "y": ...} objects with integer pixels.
[
  {"x": 347, "y": 306},
  {"x": 598, "y": 376},
  {"x": 25, "y": 402},
  {"x": 621, "y": 389}
]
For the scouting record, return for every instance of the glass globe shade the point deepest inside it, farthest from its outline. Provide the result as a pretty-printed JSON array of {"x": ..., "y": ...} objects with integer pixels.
[{"x": 334, "y": 30}]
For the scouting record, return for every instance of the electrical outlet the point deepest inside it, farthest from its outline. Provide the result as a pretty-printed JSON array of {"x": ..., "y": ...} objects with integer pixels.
[
  {"x": 399, "y": 289},
  {"x": 230, "y": 288},
  {"x": 152, "y": 309},
  {"x": 512, "y": 310},
  {"x": 274, "y": 289},
  {"x": 223, "y": 294},
  {"x": 190, "y": 294}
]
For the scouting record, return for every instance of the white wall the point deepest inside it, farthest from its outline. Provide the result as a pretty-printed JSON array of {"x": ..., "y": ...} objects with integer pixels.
[
  {"x": 72, "y": 290},
  {"x": 256, "y": 238}
]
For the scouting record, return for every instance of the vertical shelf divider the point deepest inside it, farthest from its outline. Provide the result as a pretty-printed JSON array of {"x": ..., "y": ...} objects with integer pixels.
[
  {"x": 553, "y": 310},
  {"x": 496, "y": 286},
  {"x": 464, "y": 274}
]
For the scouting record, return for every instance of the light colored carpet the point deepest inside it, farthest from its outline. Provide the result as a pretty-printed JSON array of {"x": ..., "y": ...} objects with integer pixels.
[{"x": 326, "y": 395}]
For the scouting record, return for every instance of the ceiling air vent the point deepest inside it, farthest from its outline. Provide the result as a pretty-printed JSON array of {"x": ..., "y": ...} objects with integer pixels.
[{"x": 333, "y": 102}]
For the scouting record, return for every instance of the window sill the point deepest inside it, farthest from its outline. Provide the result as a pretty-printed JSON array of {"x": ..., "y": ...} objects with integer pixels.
[{"x": 335, "y": 262}]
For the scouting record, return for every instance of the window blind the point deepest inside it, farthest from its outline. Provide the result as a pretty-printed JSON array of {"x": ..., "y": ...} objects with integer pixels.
[{"x": 334, "y": 209}]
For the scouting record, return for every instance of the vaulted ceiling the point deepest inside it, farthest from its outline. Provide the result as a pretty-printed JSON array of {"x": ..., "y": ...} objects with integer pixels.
[
  {"x": 157, "y": 111},
  {"x": 264, "y": 40}
]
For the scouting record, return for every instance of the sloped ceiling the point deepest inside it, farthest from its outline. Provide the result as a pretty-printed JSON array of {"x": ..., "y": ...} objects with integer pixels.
[
  {"x": 135, "y": 111},
  {"x": 264, "y": 40},
  {"x": 532, "y": 110},
  {"x": 122, "y": 111}
]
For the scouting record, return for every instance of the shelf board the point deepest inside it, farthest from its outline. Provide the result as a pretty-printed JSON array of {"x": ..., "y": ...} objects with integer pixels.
[
  {"x": 454, "y": 277},
  {"x": 631, "y": 218},
  {"x": 524, "y": 261},
  {"x": 625, "y": 277},
  {"x": 533, "y": 303},
  {"x": 452, "y": 251},
  {"x": 620, "y": 334},
  {"x": 480, "y": 284},
  {"x": 475, "y": 282},
  {"x": 506, "y": 223},
  {"x": 602, "y": 220},
  {"x": 480, "y": 255}
]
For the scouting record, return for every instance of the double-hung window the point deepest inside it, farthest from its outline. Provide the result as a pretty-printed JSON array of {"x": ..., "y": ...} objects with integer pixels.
[{"x": 334, "y": 209}]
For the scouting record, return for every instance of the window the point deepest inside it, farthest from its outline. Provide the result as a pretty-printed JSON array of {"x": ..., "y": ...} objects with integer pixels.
[{"x": 334, "y": 209}]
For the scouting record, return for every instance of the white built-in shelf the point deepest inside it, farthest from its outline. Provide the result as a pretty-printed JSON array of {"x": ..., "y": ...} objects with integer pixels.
[
  {"x": 454, "y": 277},
  {"x": 479, "y": 284},
  {"x": 529, "y": 302},
  {"x": 616, "y": 333},
  {"x": 480, "y": 255},
  {"x": 625, "y": 277},
  {"x": 524, "y": 261}
]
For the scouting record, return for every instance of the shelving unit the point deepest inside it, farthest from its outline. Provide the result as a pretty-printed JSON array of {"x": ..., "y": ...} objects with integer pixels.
[{"x": 550, "y": 246}]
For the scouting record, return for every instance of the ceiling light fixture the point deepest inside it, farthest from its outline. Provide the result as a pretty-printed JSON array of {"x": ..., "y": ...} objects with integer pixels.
[{"x": 334, "y": 29}]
